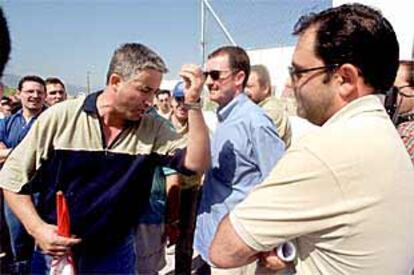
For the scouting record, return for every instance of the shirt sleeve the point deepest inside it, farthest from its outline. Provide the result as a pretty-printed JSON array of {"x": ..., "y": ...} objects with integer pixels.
[
  {"x": 168, "y": 140},
  {"x": 296, "y": 199},
  {"x": 27, "y": 157},
  {"x": 170, "y": 149},
  {"x": 267, "y": 146},
  {"x": 168, "y": 171}
]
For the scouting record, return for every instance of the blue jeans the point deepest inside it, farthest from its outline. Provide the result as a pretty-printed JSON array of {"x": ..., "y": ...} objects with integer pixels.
[
  {"x": 21, "y": 242},
  {"x": 117, "y": 259}
]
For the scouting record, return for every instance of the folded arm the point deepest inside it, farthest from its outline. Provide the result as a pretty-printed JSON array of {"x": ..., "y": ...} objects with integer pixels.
[{"x": 228, "y": 249}]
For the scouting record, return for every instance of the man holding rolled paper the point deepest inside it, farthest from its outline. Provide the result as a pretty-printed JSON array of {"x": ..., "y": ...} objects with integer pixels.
[{"x": 344, "y": 194}]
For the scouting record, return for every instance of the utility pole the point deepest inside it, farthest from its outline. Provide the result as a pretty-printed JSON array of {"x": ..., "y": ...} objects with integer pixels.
[
  {"x": 203, "y": 33},
  {"x": 207, "y": 5},
  {"x": 88, "y": 82}
]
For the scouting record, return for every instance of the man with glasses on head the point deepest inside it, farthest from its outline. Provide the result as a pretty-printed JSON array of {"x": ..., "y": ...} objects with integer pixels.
[
  {"x": 245, "y": 146},
  {"x": 344, "y": 194},
  {"x": 55, "y": 91}
]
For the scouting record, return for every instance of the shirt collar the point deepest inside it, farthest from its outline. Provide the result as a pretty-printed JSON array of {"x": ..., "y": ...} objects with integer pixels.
[
  {"x": 369, "y": 103},
  {"x": 19, "y": 113},
  {"x": 264, "y": 101},
  {"x": 89, "y": 105},
  {"x": 225, "y": 111}
]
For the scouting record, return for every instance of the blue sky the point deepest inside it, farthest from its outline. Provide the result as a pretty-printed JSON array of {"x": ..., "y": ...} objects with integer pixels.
[{"x": 70, "y": 38}]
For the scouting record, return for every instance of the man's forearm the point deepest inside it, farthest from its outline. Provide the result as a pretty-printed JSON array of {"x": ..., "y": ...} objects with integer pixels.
[
  {"x": 198, "y": 146},
  {"x": 173, "y": 197},
  {"x": 23, "y": 207},
  {"x": 228, "y": 249}
]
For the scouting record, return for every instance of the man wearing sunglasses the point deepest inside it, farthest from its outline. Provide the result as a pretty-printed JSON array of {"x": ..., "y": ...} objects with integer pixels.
[
  {"x": 245, "y": 145},
  {"x": 344, "y": 193},
  {"x": 404, "y": 83}
]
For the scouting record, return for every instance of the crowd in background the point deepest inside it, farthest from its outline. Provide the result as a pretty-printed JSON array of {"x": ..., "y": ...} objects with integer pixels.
[{"x": 146, "y": 174}]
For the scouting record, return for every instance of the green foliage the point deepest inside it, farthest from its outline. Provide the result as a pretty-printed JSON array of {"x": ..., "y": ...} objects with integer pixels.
[{"x": 8, "y": 91}]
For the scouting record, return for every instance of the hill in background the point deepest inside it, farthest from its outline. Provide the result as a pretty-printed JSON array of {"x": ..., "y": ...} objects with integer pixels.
[{"x": 11, "y": 81}]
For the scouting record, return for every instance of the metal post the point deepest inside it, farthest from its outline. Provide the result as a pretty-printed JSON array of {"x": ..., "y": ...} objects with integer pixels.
[
  {"x": 203, "y": 33},
  {"x": 88, "y": 82},
  {"x": 223, "y": 28}
]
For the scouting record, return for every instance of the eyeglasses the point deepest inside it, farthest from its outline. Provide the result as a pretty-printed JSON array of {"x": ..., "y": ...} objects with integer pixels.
[
  {"x": 296, "y": 74},
  {"x": 215, "y": 74},
  {"x": 402, "y": 90}
]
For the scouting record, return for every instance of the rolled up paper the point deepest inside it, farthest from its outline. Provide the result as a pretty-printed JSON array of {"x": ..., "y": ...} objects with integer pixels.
[{"x": 286, "y": 251}]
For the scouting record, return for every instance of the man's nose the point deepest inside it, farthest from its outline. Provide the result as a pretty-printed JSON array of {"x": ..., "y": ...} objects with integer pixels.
[{"x": 37, "y": 93}]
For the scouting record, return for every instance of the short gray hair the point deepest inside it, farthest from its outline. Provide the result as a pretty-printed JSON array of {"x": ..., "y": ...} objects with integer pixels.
[
  {"x": 131, "y": 58},
  {"x": 263, "y": 75}
]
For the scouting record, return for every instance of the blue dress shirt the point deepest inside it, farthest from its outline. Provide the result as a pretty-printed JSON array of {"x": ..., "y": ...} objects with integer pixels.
[{"x": 244, "y": 148}]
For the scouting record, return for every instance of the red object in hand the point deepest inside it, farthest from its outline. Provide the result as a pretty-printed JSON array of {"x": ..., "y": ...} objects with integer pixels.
[
  {"x": 64, "y": 265},
  {"x": 63, "y": 219}
]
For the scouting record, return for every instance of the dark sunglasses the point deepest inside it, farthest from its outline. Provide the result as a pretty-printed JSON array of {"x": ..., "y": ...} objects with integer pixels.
[{"x": 214, "y": 74}]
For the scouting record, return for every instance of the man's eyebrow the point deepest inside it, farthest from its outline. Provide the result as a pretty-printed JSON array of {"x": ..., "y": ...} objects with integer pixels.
[{"x": 296, "y": 66}]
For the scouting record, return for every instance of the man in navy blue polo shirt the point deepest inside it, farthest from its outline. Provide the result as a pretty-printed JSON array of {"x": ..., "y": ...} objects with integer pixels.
[
  {"x": 32, "y": 92},
  {"x": 101, "y": 152}
]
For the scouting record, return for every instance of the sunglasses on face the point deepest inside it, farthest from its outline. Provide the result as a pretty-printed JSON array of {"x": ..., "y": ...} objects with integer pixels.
[{"x": 215, "y": 74}]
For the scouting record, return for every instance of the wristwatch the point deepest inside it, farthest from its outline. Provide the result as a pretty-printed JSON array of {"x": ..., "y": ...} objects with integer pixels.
[{"x": 193, "y": 105}]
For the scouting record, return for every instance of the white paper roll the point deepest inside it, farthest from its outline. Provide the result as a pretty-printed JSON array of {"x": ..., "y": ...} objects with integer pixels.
[{"x": 286, "y": 252}]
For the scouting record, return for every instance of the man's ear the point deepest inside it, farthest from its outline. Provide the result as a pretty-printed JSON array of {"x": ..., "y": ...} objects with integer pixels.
[
  {"x": 240, "y": 76},
  {"x": 347, "y": 77},
  {"x": 115, "y": 81}
]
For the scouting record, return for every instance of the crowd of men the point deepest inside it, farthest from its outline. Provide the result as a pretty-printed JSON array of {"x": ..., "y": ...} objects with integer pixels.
[{"x": 141, "y": 174}]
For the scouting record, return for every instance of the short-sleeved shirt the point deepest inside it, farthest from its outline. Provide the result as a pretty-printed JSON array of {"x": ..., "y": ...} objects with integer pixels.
[
  {"x": 14, "y": 128},
  {"x": 275, "y": 109},
  {"x": 244, "y": 148},
  {"x": 154, "y": 212},
  {"x": 106, "y": 186},
  {"x": 406, "y": 130},
  {"x": 344, "y": 193}
]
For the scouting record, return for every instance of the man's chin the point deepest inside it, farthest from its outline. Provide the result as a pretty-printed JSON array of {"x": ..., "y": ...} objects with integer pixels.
[{"x": 34, "y": 108}]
